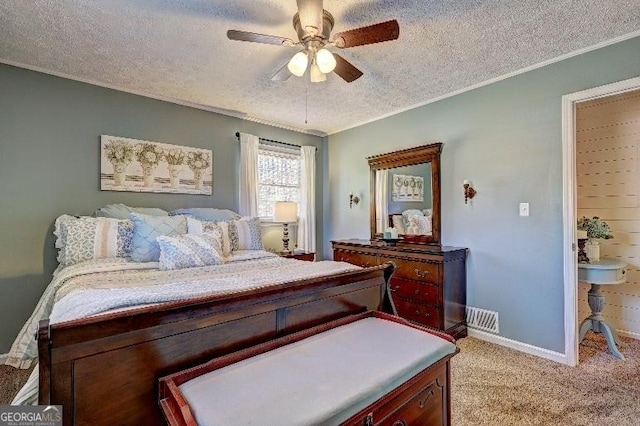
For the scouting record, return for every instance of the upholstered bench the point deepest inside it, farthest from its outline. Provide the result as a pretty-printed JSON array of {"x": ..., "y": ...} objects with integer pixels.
[{"x": 371, "y": 368}]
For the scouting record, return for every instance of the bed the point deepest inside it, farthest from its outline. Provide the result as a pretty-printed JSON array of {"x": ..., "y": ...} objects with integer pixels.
[{"x": 108, "y": 327}]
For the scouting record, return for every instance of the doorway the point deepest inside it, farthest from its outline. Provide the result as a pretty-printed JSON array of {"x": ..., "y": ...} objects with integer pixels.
[{"x": 569, "y": 103}]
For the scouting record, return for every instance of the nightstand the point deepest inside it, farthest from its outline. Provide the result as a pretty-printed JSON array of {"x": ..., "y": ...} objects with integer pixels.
[{"x": 305, "y": 255}]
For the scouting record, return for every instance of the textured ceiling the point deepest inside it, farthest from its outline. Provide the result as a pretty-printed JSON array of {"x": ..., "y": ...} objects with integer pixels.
[{"x": 178, "y": 50}]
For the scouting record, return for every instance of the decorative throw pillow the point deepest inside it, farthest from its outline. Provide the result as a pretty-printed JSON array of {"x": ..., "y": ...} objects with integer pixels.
[
  {"x": 85, "y": 238},
  {"x": 120, "y": 211},
  {"x": 398, "y": 223},
  {"x": 204, "y": 213},
  {"x": 199, "y": 227},
  {"x": 189, "y": 250},
  {"x": 146, "y": 230},
  {"x": 246, "y": 234},
  {"x": 421, "y": 225}
]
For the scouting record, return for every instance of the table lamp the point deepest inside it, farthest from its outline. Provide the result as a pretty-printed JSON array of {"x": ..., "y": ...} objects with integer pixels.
[{"x": 285, "y": 212}]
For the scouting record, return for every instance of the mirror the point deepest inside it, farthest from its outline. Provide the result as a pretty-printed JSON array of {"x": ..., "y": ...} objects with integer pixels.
[{"x": 405, "y": 194}]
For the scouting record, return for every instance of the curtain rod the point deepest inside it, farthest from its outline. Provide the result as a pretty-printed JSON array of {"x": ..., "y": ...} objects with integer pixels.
[{"x": 272, "y": 141}]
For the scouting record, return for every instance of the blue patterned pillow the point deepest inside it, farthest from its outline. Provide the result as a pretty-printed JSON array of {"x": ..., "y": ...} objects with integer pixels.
[
  {"x": 85, "y": 238},
  {"x": 146, "y": 230},
  {"x": 246, "y": 234},
  {"x": 189, "y": 250}
]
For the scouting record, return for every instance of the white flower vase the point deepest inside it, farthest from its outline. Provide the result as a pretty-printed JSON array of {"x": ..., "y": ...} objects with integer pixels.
[
  {"x": 197, "y": 178},
  {"x": 174, "y": 175},
  {"x": 147, "y": 174},
  {"x": 119, "y": 175},
  {"x": 593, "y": 250}
]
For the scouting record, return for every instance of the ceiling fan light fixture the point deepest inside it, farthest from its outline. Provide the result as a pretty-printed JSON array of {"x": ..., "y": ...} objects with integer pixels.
[
  {"x": 325, "y": 60},
  {"x": 298, "y": 64},
  {"x": 315, "y": 75}
]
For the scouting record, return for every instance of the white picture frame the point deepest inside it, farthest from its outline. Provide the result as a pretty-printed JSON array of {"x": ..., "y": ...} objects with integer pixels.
[
  {"x": 144, "y": 166},
  {"x": 407, "y": 188}
]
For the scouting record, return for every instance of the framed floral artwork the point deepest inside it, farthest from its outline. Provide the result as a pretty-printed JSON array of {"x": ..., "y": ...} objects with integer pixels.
[
  {"x": 407, "y": 188},
  {"x": 145, "y": 166}
]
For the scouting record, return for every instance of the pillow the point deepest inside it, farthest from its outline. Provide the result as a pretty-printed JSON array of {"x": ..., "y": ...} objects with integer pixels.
[
  {"x": 85, "y": 238},
  {"x": 120, "y": 211},
  {"x": 246, "y": 234},
  {"x": 398, "y": 223},
  {"x": 198, "y": 227},
  {"x": 427, "y": 212},
  {"x": 411, "y": 212},
  {"x": 146, "y": 229},
  {"x": 203, "y": 213},
  {"x": 189, "y": 250},
  {"x": 421, "y": 224}
]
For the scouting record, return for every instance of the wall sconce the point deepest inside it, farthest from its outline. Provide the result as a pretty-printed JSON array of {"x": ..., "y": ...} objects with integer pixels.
[
  {"x": 469, "y": 192},
  {"x": 353, "y": 199}
]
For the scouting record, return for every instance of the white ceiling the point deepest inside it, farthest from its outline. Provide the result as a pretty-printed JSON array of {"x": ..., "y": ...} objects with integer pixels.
[{"x": 178, "y": 50}]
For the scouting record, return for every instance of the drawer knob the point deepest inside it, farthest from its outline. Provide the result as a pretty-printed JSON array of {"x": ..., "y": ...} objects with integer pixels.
[{"x": 421, "y": 274}]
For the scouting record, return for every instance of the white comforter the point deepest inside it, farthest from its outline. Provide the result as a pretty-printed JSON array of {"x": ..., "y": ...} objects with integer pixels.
[{"x": 98, "y": 286}]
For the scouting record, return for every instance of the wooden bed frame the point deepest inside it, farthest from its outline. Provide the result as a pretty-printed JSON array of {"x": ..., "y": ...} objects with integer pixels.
[{"x": 105, "y": 369}]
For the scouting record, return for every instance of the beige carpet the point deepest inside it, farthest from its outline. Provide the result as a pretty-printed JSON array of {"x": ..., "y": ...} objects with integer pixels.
[
  {"x": 493, "y": 385},
  {"x": 496, "y": 386}
]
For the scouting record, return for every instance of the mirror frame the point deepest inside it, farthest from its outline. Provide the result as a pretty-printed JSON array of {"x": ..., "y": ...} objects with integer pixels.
[{"x": 409, "y": 157}]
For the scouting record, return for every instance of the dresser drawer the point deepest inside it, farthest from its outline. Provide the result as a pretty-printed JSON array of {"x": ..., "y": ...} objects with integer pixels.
[
  {"x": 425, "y": 315},
  {"x": 358, "y": 259},
  {"x": 414, "y": 270},
  {"x": 417, "y": 290}
]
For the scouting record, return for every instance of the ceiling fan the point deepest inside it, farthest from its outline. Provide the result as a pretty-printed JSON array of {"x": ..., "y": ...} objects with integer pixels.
[{"x": 313, "y": 25}]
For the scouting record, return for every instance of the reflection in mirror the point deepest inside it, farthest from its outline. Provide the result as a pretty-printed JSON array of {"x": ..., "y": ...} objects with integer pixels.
[
  {"x": 401, "y": 193},
  {"x": 405, "y": 194}
]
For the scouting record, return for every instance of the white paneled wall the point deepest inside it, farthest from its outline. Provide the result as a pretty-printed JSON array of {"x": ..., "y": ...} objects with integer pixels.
[{"x": 608, "y": 178}]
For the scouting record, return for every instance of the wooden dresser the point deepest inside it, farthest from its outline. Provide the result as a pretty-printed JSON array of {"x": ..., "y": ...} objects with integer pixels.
[{"x": 429, "y": 286}]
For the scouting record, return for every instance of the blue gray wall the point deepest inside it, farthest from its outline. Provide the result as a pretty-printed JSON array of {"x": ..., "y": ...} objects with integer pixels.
[
  {"x": 507, "y": 139},
  {"x": 49, "y": 165}
]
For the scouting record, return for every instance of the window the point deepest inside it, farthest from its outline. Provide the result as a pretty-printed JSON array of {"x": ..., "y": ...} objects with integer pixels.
[{"x": 278, "y": 177}]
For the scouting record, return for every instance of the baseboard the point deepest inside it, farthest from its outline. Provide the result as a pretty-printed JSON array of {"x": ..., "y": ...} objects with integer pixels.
[
  {"x": 631, "y": 334},
  {"x": 3, "y": 358},
  {"x": 518, "y": 346}
]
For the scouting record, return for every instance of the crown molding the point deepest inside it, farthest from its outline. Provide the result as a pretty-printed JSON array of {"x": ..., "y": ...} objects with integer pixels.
[{"x": 497, "y": 79}]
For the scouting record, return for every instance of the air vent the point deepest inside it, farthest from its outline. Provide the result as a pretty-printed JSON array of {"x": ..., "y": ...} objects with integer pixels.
[{"x": 482, "y": 319}]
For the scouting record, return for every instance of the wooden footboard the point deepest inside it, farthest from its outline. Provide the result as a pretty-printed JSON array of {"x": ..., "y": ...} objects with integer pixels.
[{"x": 104, "y": 369}]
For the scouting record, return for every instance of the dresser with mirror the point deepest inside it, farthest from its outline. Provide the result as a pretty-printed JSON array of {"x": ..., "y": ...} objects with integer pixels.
[{"x": 429, "y": 284}]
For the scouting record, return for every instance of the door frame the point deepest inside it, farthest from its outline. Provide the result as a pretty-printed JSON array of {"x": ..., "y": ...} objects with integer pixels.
[{"x": 569, "y": 205}]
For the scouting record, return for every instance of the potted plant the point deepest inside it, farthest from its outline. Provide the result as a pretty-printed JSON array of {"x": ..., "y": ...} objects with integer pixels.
[
  {"x": 198, "y": 162},
  {"x": 597, "y": 229},
  {"x": 175, "y": 159},
  {"x": 148, "y": 155}
]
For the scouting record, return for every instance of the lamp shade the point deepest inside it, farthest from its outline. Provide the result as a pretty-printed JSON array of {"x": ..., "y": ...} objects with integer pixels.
[
  {"x": 298, "y": 64},
  {"x": 285, "y": 211},
  {"x": 325, "y": 60}
]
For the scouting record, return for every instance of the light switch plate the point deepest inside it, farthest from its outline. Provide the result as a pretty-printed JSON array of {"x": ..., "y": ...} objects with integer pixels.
[{"x": 524, "y": 209}]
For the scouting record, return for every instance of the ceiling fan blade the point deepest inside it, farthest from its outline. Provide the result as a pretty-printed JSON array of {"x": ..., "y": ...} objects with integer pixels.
[
  {"x": 259, "y": 38},
  {"x": 384, "y": 31},
  {"x": 310, "y": 13},
  {"x": 282, "y": 74},
  {"x": 346, "y": 70}
]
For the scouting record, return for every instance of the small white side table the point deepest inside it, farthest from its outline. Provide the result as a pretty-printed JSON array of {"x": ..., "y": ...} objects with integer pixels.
[{"x": 603, "y": 272}]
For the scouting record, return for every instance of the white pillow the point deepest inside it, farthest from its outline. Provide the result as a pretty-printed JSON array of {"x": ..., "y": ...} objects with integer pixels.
[
  {"x": 189, "y": 250},
  {"x": 421, "y": 224},
  {"x": 398, "y": 223},
  {"x": 200, "y": 227}
]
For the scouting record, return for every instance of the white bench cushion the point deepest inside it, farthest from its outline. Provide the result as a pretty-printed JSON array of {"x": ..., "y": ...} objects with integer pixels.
[{"x": 323, "y": 379}]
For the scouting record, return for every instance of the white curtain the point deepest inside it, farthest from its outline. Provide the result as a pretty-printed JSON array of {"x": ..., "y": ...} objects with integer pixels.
[
  {"x": 307, "y": 222},
  {"x": 248, "y": 182},
  {"x": 382, "y": 196}
]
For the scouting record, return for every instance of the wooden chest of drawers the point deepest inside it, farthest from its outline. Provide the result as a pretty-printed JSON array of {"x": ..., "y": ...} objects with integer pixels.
[{"x": 429, "y": 286}]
